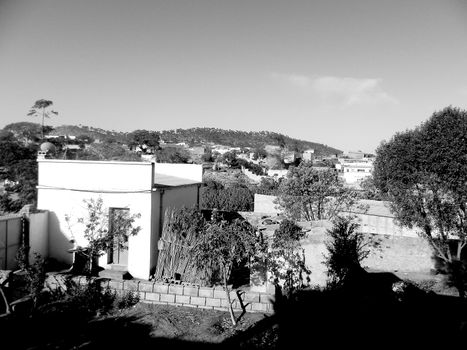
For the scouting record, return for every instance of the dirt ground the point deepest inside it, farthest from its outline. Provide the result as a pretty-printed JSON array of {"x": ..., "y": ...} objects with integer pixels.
[{"x": 195, "y": 325}]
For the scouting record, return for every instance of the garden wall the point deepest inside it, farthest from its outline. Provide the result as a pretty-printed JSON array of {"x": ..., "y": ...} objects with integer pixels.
[{"x": 180, "y": 295}]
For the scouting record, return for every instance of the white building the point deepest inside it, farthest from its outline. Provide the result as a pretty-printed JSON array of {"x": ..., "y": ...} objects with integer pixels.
[
  {"x": 354, "y": 171},
  {"x": 144, "y": 188}
]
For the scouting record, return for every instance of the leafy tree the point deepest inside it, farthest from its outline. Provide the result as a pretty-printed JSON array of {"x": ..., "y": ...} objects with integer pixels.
[
  {"x": 286, "y": 259},
  {"x": 268, "y": 186},
  {"x": 147, "y": 141},
  {"x": 41, "y": 108},
  {"x": 347, "y": 248},
  {"x": 100, "y": 234},
  {"x": 172, "y": 155},
  {"x": 7, "y": 136},
  {"x": 208, "y": 155},
  {"x": 311, "y": 194},
  {"x": 423, "y": 173},
  {"x": 107, "y": 151},
  {"x": 18, "y": 165},
  {"x": 232, "y": 198},
  {"x": 230, "y": 159},
  {"x": 26, "y": 131},
  {"x": 369, "y": 190},
  {"x": 224, "y": 244}
]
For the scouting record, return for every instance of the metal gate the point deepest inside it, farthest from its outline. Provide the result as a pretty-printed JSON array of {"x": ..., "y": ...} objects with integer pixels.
[{"x": 11, "y": 232}]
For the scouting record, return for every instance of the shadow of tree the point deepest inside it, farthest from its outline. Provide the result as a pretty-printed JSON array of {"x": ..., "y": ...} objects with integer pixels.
[{"x": 367, "y": 313}]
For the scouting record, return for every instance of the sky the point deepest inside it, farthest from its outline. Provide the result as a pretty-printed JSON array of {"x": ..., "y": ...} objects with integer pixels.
[{"x": 348, "y": 74}]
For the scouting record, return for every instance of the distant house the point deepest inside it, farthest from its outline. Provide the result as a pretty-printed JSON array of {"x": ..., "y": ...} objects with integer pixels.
[
  {"x": 145, "y": 188},
  {"x": 308, "y": 155},
  {"x": 353, "y": 171}
]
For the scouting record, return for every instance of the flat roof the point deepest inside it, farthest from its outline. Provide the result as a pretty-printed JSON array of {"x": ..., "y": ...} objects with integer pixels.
[{"x": 172, "y": 181}]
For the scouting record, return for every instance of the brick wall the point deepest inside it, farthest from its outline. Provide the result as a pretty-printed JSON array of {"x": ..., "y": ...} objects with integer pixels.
[{"x": 179, "y": 294}]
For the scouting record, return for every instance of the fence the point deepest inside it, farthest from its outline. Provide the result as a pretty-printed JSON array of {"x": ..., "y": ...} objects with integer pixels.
[{"x": 11, "y": 234}]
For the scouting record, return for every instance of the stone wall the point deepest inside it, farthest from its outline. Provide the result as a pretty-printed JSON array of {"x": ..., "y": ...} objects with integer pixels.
[{"x": 179, "y": 294}]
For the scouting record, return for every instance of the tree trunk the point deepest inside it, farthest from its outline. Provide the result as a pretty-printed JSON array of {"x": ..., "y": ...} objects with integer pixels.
[{"x": 227, "y": 291}]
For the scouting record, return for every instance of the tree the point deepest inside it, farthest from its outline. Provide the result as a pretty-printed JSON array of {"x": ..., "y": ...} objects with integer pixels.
[
  {"x": 423, "y": 173},
  {"x": 107, "y": 151},
  {"x": 172, "y": 155},
  {"x": 286, "y": 259},
  {"x": 25, "y": 132},
  {"x": 224, "y": 244},
  {"x": 102, "y": 234},
  {"x": 18, "y": 165},
  {"x": 347, "y": 248},
  {"x": 369, "y": 190},
  {"x": 41, "y": 108},
  {"x": 230, "y": 159},
  {"x": 146, "y": 141},
  {"x": 311, "y": 194},
  {"x": 232, "y": 198}
]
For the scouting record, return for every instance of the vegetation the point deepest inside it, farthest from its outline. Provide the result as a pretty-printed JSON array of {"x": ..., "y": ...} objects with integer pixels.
[
  {"x": 224, "y": 244},
  {"x": 286, "y": 259},
  {"x": 311, "y": 194},
  {"x": 183, "y": 230},
  {"x": 103, "y": 230},
  {"x": 235, "y": 197},
  {"x": 18, "y": 167},
  {"x": 145, "y": 141},
  {"x": 347, "y": 248},
  {"x": 423, "y": 173},
  {"x": 369, "y": 190},
  {"x": 41, "y": 108}
]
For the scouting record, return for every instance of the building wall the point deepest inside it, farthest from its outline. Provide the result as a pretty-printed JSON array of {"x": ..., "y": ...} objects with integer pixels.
[
  {"x": 63, "y": 185},
  {"x": 38, "y": 234}
]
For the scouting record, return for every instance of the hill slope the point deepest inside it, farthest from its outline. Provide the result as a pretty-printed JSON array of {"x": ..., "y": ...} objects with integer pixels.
[{"x": 199, "y": 136}]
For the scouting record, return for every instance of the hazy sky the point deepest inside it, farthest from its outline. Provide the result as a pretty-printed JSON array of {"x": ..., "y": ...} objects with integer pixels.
[{"x": 344, "y": 73}]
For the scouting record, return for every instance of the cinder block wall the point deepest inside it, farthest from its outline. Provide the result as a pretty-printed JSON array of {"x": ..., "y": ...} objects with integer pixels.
[{"x": 180, "y": 295}]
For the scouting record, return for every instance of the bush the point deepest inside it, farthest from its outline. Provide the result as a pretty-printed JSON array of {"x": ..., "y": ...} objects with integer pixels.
[
  {"x": 286, "y": 260},
  {"x": 347, "y": 248}
]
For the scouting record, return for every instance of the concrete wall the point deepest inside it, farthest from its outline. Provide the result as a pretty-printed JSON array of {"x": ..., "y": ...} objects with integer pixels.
[
  {"x": 393, "y": 253},
  {"x": 265, "y": 204},
  {"x": 213, "y": 298},
  {"x": 192, "y": 172},
  {"x": 38, "y": 234}
]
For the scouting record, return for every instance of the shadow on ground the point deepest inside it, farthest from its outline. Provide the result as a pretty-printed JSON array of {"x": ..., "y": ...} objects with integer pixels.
[
  {"x": 368, "y": 314},
  {"x": 365, "y": 314}
]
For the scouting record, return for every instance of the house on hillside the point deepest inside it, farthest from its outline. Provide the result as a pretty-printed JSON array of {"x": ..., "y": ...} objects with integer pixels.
[{"x": 144, "y": 188}]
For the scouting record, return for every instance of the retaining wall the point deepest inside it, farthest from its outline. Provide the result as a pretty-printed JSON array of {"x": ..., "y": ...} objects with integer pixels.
[{"x": 178, "y": 294}]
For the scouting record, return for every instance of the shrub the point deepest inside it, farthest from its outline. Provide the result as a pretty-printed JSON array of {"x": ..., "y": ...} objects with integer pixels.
[
  {"x": 286, "y": 260},
  {"x": 127, "y": 300},
  {"x": 347, "y": 248}
]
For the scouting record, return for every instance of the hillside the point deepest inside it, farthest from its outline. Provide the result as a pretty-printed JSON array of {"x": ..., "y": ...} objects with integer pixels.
[
  {"x": 203, "y": 136},
  {"x": 236, "y": 138}
]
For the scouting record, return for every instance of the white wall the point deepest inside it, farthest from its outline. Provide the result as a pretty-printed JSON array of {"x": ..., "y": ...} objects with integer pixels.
[
  {"x": 265, "y": 204},
  {"x": 192, "y": 172},
  {"x": 38, "y": 234},
  {"x": 63, "y": 185},
  {"x": 92, "y": 175}
]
